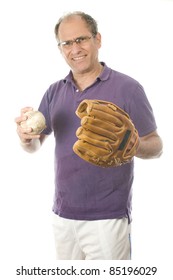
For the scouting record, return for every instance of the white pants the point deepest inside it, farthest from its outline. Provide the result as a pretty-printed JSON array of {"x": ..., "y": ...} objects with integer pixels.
[{"x": 92, "y": 240}]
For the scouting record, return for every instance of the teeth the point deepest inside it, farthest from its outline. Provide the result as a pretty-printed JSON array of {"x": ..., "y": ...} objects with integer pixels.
[{"x": 78, "y": 58}]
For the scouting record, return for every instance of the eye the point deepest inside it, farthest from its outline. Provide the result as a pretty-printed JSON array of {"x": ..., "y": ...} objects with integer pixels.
[
  {"x": 80, "y": 40},
  {"x": 67, "y": 43}
]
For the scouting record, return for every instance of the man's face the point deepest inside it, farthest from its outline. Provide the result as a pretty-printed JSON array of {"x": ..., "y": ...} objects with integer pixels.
[{"x": 82, "y": 54}]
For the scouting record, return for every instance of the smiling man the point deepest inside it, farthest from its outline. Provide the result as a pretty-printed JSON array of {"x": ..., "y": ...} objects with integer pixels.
[
  {"x": 92, "y": 204},
  {"x": 81, "y": 50}
]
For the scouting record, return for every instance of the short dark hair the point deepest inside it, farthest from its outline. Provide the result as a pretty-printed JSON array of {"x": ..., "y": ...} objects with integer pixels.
[{"x": 90, "y": 21}]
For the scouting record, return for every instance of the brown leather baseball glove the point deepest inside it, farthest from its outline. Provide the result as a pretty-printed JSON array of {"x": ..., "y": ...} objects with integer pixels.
[{"x": 107, "y": 137}]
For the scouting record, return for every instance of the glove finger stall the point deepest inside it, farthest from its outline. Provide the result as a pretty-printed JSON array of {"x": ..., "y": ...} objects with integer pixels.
[
  {"x": 99, "y": 127},
  {"x": 96, "y": 139}
]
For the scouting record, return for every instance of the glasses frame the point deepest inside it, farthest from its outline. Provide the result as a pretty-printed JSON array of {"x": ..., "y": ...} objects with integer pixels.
[{"x": 79, "y": 41}]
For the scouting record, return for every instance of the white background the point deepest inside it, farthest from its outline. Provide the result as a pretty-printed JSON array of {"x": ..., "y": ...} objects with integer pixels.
[{"x": 137, "y": 40}]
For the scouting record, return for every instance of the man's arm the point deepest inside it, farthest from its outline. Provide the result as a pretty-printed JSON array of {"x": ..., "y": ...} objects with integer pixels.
[{"x": 150, "y": 146}]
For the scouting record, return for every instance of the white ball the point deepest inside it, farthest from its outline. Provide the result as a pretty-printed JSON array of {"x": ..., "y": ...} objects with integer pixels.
[{"x": 35, "y": 120}]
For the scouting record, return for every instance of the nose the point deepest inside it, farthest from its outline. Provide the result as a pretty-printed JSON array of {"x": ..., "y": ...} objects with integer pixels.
[{"x": 75, "y": 48}]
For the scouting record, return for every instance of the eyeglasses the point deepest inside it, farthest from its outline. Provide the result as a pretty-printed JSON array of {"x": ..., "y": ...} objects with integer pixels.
[{"x": 81, "y": 41}]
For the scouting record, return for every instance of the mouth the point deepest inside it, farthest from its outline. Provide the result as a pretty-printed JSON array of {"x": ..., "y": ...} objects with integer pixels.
[{"x": 78, "y": 58}]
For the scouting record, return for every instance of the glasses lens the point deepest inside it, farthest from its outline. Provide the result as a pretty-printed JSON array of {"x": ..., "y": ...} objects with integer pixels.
[{"x": 80, "y": 41}]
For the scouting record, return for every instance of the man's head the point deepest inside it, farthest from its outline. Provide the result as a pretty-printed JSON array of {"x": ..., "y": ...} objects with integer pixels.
[
  {"x": 78, "y": 41},
  {"x": 91, "y": 23}
]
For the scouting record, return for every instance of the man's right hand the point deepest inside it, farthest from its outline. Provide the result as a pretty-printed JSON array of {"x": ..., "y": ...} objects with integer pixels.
[{"x": 24, "y": 134}]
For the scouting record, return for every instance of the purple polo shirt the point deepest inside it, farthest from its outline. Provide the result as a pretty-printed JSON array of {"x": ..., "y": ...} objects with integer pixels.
[{"x": 84, "y": 191}]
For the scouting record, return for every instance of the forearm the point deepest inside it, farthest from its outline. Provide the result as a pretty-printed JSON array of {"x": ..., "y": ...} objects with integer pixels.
[{"x": 149, "y": 147}]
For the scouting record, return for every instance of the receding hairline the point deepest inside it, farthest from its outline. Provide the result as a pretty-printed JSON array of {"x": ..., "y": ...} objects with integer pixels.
[{"x": 89, "y": 20}]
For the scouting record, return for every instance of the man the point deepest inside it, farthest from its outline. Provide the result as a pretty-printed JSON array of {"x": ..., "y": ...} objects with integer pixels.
[{"x": 92, "y": 205}]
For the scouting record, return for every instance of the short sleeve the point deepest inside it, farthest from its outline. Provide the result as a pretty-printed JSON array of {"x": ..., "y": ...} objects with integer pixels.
[
  {"x": 44, "y": 108},
  {"x": 141, "y": 112}
]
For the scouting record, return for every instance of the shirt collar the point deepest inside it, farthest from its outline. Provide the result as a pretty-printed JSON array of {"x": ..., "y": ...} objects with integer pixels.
[{"x": 103, "y": 76}]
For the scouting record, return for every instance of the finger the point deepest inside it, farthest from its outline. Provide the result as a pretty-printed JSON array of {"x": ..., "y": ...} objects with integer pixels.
[
  {"x": 26, "y": 109},
  {"x": 25, "y": 133},
  {"x": 22, "y": 117},
  {"x": 25, "y": 136}
]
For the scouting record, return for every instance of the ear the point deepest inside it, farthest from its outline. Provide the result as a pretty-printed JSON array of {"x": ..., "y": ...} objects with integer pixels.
[
  {"x": 59, "y": 48},
  {"x": 57, "y": 40},
  {"x": 98, "y": 39}
]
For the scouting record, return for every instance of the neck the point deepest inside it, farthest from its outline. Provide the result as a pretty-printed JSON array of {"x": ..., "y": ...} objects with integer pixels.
[{"x": 84, "y": 80}]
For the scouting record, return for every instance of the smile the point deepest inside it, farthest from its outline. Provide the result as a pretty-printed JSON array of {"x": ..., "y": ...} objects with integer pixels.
[{"x": 78, "y": 58}]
